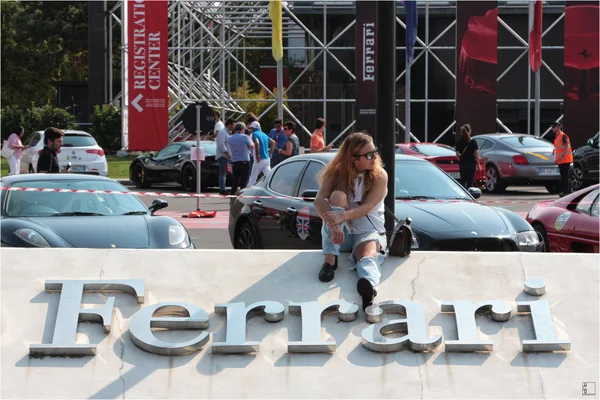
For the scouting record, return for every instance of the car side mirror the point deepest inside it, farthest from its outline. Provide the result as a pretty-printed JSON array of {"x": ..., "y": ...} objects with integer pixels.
[
  {"x": 309, "y": 195},
  {"x": 158, "y": 204},
  {"x": 475, "y": 192},
  {"x": 150, "y": 155},
  {"x": 591, "y": 142}
]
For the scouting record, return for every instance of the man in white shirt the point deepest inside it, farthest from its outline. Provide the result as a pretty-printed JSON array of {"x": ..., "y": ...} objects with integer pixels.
[
  {"x": 223, "y": 153},
  {"x": 218, "y": 123}
]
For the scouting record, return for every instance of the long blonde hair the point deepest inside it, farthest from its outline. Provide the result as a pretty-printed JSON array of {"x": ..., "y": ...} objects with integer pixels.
[{"x": 341, "y": 169}]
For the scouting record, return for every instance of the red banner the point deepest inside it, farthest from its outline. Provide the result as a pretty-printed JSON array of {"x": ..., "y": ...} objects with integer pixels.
[
  {"x": 477, "y": 61},
  {"x": 148, "y": 84},
  {"x": 581, "y": 71}
]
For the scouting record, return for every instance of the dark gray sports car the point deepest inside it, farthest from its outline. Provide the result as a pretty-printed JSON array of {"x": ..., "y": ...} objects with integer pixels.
[
  {"x": 36, "y": 218},
  {"x": 444, "y": 215},
  {"x": 173, "y": 164}
]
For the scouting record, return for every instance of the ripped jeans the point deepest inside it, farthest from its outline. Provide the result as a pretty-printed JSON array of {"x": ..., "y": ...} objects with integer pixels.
[{"x": 366, "y": 267}]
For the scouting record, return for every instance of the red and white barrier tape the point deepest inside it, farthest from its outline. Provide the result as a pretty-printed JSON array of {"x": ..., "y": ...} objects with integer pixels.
[{"x": 205, "y": 195}]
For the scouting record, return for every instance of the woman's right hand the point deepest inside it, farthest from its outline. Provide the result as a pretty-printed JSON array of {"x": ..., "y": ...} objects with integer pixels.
[{"x": 338, "y": 234}]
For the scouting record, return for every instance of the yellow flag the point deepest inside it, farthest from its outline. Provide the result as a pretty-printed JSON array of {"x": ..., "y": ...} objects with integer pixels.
[{"x": 275, "y": 13}]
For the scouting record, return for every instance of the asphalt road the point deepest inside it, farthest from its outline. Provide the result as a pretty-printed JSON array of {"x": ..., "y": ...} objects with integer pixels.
[{"x": 212, "y": 233}]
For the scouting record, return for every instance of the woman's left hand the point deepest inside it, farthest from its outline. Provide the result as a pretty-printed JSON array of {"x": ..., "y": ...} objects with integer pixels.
[{"x": 334, "y": 217}]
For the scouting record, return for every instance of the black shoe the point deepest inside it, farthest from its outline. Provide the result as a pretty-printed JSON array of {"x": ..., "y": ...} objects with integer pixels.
[
  {"x": 326, "y": 274},
  {"x": 366, "y": 291}
]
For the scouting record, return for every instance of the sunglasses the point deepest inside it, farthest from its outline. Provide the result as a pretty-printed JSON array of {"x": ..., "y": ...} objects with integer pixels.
[{"x": 368, "y": 156}]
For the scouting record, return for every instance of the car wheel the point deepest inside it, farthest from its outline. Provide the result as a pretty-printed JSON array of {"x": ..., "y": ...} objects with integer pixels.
[
  {"x": 554, "y": 188},
  {"x": 139, "y": 177},
  {"x": 541, "y": 230},
  {"x": 246, "y": 237},
  {"x": 493, "y": 183},
  {"x": 31, "y": 170},
  {"x": 576, "y": 179},
  {"x": 188, "y": 178}
]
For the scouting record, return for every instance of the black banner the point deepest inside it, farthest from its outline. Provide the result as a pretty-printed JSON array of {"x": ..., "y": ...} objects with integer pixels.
[
  {"x": 580, "y": 74},
  {"x": 476, "y": 65},
  {"x": 365, "y": 67}
]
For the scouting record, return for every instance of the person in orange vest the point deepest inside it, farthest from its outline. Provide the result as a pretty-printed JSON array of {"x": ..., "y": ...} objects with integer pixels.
[{"x": 563, "y": 154}]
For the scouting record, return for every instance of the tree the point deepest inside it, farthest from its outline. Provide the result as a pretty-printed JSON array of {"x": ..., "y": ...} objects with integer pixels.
[{"x": 42, "y": 42}]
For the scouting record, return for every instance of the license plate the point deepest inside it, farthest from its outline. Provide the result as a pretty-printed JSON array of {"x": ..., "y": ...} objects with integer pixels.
[
  {"x": 78, "y": 168},
  {"x": 547, "y": 171},
  {"x": 455, "y": 175}
]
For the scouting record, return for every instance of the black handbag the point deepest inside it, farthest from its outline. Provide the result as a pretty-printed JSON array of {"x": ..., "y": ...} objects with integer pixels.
[{"x": 399, "y": 239}]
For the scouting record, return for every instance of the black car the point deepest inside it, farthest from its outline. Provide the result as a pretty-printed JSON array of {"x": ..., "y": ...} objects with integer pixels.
[
  {"x": 584, "y": 170},
  {"x": 457, "y": 223},
  {"x": 61, "y": 217},
  {"x": 174, "y": 164}
]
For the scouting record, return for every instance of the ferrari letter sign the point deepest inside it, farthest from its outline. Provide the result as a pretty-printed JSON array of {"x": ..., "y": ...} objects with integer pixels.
[{"x": 174, "y": 315}]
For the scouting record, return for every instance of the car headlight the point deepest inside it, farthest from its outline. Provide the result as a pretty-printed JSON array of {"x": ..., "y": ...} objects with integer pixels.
[
  {"x": 32, "y": 237},
  {"x": 415, "y": 243},
  {"x": 176, "y": 234},
  {"x": 528, "y": 238}
]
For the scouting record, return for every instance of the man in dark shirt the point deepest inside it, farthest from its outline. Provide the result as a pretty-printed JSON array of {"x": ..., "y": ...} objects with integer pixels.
[{"x": 47, "y": 161}]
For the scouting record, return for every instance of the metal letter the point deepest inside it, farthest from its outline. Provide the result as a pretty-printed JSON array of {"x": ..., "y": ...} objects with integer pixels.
[
  {"x": 311, "y": 313},
  {"x": 535, "y": 287},
  {"x": 465, "y": 311},
  {"x": 543, "y": 328},
  {"x": 414, "y": 325},
  {"x": 70, "y": 313},
  {"x": 192, "y": 317},
  {"x": 237, "y": 315}
]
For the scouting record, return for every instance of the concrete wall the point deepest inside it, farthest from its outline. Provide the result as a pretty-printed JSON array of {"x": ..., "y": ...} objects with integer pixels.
[{"x": 205, "y": 278}]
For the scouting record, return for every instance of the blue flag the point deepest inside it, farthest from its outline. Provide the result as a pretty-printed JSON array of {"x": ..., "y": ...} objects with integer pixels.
[{"x": 412, "y": 20}]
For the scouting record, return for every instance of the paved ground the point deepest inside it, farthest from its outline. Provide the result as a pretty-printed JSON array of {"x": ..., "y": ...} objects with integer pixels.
[{"x": 211, "y": 233}]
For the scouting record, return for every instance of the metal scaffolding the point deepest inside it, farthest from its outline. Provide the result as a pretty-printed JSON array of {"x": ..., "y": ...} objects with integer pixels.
[{"x": 209, "y": 42}]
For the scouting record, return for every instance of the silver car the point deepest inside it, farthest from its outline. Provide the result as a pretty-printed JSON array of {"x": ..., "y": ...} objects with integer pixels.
[{"x": 517, "y": 159}]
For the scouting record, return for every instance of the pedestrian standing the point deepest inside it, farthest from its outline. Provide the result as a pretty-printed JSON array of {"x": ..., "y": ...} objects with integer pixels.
[
  {"x": 240, "y": 145},
  {"x": 467, "y": 151},
  {"x": 563, "y": 154},
  {"x": 223, "y": 154},
  {"x": 250, "y": 118},
  {"x": 280, "y": 139},
  {"x": 14, "y": 143},
  {"x": 317, "y": 140},
  {"x": 219, "y": 125},
  {"x": 48, "y": 161},
  {"x": 263, "y": 147},
  {"x": 292, "y": 145}
]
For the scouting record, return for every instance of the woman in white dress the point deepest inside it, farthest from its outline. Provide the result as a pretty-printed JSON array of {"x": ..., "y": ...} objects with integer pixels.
[{"x": 14, "y": 143}]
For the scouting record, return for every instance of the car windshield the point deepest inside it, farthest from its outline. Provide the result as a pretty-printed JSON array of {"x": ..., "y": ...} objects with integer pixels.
[
  {"x": 526, "y": 141},
  {"x": 432, "y": 150},
  {"x": 78, "y": 141},
  {"x": 210, "y": 148},
  {"x": 423, "y": 180},
  {"x": 52, "y": 203}
]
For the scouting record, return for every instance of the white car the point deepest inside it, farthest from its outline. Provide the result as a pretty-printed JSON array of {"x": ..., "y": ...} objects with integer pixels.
[{"x": 79, "y": 148}]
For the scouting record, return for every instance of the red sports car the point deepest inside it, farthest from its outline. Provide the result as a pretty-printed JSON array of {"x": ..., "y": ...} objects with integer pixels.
[
  {"x": 569, "y": 224},
  {"x": 443, "y": 156}
]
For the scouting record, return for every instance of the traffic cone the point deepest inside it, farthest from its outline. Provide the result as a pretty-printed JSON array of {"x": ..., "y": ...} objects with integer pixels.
[{"x": 201, "y": 214}]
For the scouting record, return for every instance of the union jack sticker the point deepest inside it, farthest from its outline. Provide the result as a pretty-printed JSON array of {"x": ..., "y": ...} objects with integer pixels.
[{"x": 303, "y": 223}]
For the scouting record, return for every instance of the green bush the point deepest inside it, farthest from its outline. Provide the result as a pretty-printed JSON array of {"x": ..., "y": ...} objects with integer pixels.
[
  {"x": 35, "y": 119},
  {"x": 259, "y": 104},
  {"x": 106, "y": 127}
]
